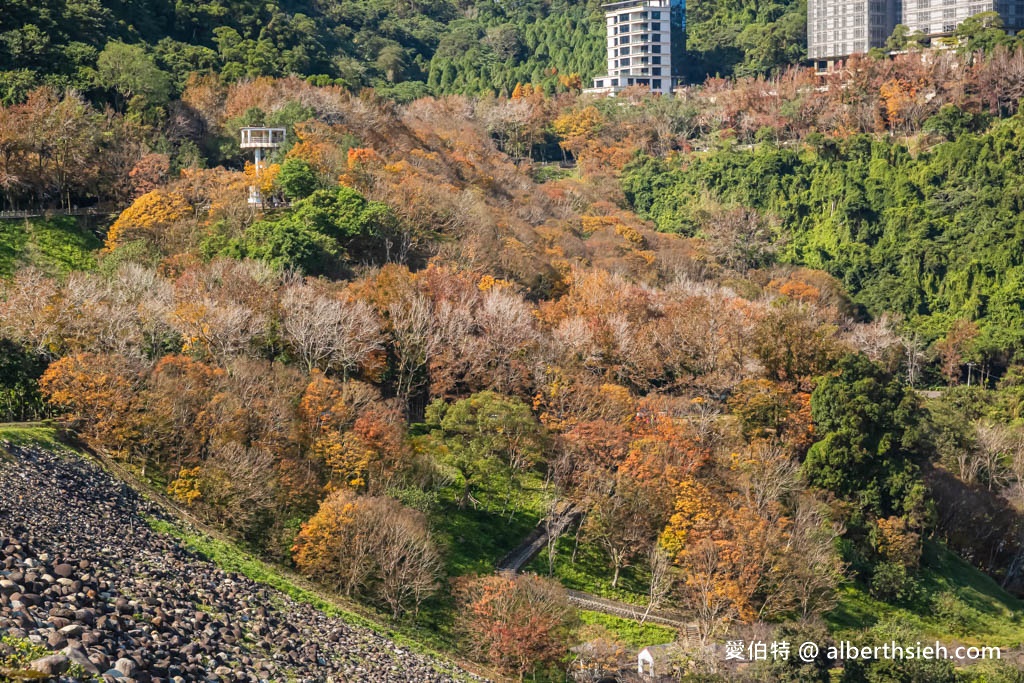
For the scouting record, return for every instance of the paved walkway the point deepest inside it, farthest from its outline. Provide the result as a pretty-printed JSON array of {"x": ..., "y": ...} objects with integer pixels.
[{"x": 537, "y": 540}]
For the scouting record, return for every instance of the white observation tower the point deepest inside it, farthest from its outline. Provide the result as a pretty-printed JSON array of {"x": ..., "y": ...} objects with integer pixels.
[{"x": 258, "y": 138}]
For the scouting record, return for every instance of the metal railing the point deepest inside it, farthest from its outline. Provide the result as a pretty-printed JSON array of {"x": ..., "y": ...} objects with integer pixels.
[{"x": 43, "y": 213}]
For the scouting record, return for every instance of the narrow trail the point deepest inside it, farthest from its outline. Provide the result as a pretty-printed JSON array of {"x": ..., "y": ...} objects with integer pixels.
[{"x": 537, "y": 540}]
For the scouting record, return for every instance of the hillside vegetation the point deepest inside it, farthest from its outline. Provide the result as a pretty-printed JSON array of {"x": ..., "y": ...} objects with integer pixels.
[
  {"x": 760, "y": 339},
  {"x": 935, "y": 237},
  {"x": 141, "y": 53}
]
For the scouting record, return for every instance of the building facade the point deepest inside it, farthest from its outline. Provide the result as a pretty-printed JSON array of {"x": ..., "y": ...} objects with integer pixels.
[
  {"x": 941, "y": 17},
  {"x": 639, "y": 45},
  {"x": 839, "y": 28}
]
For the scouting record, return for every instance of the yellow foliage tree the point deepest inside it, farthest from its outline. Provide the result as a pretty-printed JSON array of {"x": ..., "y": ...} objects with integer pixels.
[
  {"x": 185, "y": 489},
  {"x": 581, "y": 123},
  {"x": 147, "y": 217},
  {"x": 696, "y": 508},
  {"x": 265, "y": 179},
  {"x": 897, "y": 543},
  {"x": 346, "y": 455}
]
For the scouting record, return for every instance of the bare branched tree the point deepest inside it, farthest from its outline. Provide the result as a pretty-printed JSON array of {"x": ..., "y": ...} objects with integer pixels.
[{"x": 327, "y": 333}]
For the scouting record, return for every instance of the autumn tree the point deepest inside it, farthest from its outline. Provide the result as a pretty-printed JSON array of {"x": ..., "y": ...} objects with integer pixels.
[
  {"x": 98, "y": 392},
  {"x": 327, "y": 332},
  {"x": 62, "y": 137},
  {"x": 588, "y": 455},
  {"x": 153, "y": 216},
  {"x": 515, "y": 624},
  {"x": 368, "y": 456},
  {"x": 370, "y": 546},
  {"x": 176, "y": 418},
  {"x": 954, "y": 347},
  {"x": 410, "y": 324},
  {"x": 149, "y": 173},
  {"x": 335, "y": 546},
  {"x": 739, "y": 238},
  {"x": 576, "y": 128},
  {"x": 236, "y": 487}
]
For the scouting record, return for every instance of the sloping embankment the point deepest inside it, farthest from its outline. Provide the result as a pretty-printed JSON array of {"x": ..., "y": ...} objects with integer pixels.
[{"x": 83, "y": 575}]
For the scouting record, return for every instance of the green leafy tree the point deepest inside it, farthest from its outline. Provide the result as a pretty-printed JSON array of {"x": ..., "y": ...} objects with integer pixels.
[
  {"x": 297, "y": 179},
  {"x": 131, "y": 72},
  {"x": 981, "y": 33},
  {"x": 289, "y": 243},
  {"x": 320, "y": 233},
  {"x": 487, "y": 438},
  {"x": 872, "y": 431}
]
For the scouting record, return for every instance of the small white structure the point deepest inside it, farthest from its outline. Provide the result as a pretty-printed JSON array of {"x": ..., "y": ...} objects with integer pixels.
[
  {"x": 259, "y": 138},
  {"x": 658, "y": 660}
]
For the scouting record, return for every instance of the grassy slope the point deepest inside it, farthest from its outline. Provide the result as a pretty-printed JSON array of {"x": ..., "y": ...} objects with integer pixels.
[
  {"x": 55, "y": 245},
  {"x": 20, "y": 433},
  {"x": 476, "y": 538},
  {"x": 591, "y": 571},
  {"x": 627, "y": 632},
  {"x": 988, "y": 614}
]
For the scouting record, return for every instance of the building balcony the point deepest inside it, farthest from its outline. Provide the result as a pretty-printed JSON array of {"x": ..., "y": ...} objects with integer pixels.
[
  {"x": 259, "y": 137},
  {"x": 628, "y": 4},
  {"x": 633, "y": 71}
]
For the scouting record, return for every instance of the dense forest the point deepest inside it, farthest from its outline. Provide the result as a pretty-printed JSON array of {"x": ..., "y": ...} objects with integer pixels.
[
  {"x": 148, "y": 49},
  {"x": 753, "y": 350},
  {"x": 882, "y": 221}
]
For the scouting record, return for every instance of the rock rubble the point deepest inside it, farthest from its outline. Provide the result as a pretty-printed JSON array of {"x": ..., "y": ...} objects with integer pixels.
[{"x": 82, "y": 575}]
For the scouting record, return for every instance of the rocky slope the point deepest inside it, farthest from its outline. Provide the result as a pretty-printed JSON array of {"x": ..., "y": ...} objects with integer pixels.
[{"x": 82, "y": 575}]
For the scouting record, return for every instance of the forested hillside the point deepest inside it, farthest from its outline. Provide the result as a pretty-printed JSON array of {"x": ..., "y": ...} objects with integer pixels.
[
  {"x": 936, "y": 238},
  {"x": 147, "y": 49},
  {"x": 748, "y": 355}
]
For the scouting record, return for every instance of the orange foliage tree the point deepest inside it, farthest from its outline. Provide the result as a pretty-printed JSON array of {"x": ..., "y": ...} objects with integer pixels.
[
  {"x": 516, "y": 623},
  {"x": 98, "y": 391},
  {"x": 373, "y": 546}
]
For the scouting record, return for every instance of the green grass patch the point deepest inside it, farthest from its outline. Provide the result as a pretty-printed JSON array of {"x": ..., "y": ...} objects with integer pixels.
[
  {"x": 590, "y": 571},
  {"x": 476, "y": 538},
  {"x": 957, "y": 602},
  {"x": 30, "y": 433},
  {"x": 625, "y": 631},
  {"x": 55, "y": 245},
  {"x": 544, "y": 173},
  {"x": 21, "y": 653},
  {"x": 13, "y": 237}
]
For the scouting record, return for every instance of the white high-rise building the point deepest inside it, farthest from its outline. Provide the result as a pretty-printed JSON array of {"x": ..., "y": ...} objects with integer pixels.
[
  {"x": 639, "y": 34},
  {"x": 837, "y": 29}
]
